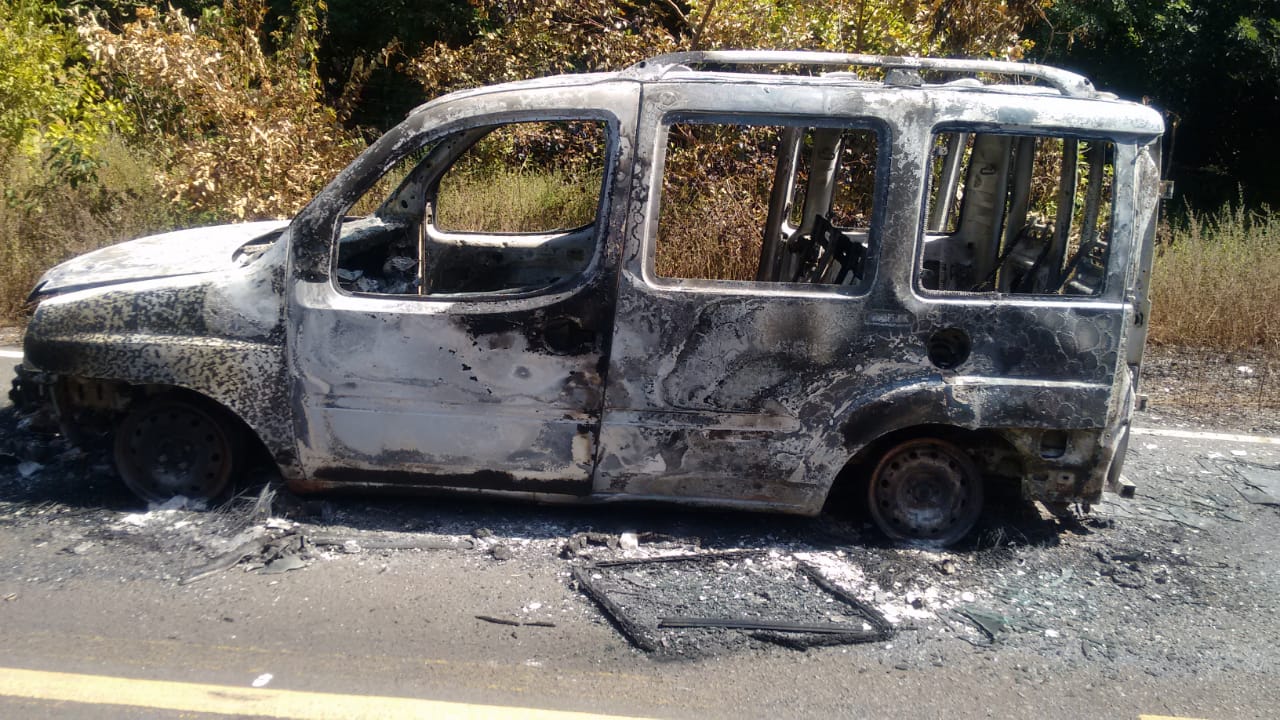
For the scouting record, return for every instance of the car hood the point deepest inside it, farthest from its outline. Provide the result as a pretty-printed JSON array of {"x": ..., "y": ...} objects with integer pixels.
[{"x": 183, "y": 252}]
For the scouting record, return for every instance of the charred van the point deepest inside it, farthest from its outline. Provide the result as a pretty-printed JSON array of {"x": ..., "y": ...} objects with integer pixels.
[{"x": 749, "y": 278}]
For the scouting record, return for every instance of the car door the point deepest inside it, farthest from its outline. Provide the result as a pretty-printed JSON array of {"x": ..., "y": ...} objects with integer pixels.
[
  {"x": 727, "y": 363},
  {"x": 450, "y": 339}
]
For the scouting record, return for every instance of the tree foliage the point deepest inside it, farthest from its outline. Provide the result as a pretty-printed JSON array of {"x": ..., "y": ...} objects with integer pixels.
[
  {"x": 51, "y": 107},
  {"x": 974, "y": 28},
  {"x": 360, "y": 50},
  {"x": 528, "y": 38},
  {"x": 1213, "y": 65},
  {"x": 246, "y": 132}
]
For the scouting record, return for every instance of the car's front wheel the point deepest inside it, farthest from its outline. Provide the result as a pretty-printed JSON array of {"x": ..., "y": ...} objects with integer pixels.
[{"x": 173, "y": 446}]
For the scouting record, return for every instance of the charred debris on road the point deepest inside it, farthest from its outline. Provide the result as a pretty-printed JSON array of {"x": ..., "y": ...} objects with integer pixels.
[{"x": 748, "y": 591}]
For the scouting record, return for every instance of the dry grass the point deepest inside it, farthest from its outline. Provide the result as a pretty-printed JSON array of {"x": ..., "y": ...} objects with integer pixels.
[
  {"x": 710, "y": 234},
  {"x": 715, "y": 201},
  {"x": 516, "y": 201},
  {"x": 44, "y": 221},
  {"x": 1215, "y": 283}
]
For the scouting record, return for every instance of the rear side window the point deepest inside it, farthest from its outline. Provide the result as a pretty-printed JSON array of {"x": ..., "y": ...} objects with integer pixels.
[
  {"x": 762, "y": 203},
  {"x": 1017, "y": 214}
]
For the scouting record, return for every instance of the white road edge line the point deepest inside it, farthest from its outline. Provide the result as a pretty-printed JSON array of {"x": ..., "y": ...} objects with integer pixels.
[
  {"x": 11, "y": 354},
  {"x": 1196, "y": 435}
]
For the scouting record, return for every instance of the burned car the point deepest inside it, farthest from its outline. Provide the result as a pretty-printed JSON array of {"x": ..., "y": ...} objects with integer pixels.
[{"x": 739, "y": 279}]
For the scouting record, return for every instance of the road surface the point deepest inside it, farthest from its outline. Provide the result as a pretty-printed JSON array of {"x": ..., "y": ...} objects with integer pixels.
[{"x": 1163, "y": 606}]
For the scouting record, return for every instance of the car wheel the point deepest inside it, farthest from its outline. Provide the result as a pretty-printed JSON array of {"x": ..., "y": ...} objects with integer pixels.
[
  {"x": 172, "y": 446},
  {"x": 925, "y": 492}
]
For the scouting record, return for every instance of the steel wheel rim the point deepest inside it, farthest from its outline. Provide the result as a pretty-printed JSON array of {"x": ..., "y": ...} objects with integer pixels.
[
  {"x": 926, "y": 492},
  {"x": 172, "y": 449}
]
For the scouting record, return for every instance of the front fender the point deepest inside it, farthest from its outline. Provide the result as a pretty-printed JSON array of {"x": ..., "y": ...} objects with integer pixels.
[{"x": 187, "y": 333}]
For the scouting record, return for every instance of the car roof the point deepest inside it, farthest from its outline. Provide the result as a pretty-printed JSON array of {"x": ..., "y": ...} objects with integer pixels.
[{"x": 960, "y": 79}]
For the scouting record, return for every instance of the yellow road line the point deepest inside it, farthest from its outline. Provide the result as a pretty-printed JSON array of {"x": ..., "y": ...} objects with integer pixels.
[
  {"x": 169, "y": 645},
  {"x": 231, "y": 700},
  {"x": 1162, "y": 717}
]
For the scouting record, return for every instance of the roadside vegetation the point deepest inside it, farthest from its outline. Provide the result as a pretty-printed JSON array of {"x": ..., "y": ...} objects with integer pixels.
[
  {"x": 124, "y": 117},
  {"x": 1215, "y": 331},
  {"x": 510, "y": 201},
  {"x": 1215, "y": 283},
  {"x": 109, "y": 131}
]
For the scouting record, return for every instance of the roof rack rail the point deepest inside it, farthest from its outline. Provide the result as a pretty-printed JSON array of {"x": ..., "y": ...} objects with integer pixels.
[{"x": 1065, "y": 82}]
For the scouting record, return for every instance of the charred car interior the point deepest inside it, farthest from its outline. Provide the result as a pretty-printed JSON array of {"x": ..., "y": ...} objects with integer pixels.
[
  {"x": 416, "y": 241},
  {"x": 759, "y": 280},
  {"x": 1023, "y": 230}
]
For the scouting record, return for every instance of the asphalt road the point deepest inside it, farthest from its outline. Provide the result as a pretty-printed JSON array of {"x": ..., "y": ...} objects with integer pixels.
[
  {"x": 10, "y": 358},
  {"x": 96, "y": 623}
]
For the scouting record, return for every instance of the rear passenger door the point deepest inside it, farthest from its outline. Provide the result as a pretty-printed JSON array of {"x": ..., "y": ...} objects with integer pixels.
[{"x": 740, "y": 301}]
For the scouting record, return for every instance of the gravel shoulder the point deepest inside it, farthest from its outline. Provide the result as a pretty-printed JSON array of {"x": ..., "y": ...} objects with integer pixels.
[{"x": 1194, "y": 387}]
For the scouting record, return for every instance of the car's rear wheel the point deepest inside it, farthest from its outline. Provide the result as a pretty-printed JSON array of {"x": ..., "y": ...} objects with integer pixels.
[
  {"x": 925, "y": 492},
  {"x": 174, "y": 446}
]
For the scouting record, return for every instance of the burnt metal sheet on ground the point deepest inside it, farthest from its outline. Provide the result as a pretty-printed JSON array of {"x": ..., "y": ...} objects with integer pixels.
[
  {"x": 1261, "y": 483},
  {"x": 711, "y": 603}
]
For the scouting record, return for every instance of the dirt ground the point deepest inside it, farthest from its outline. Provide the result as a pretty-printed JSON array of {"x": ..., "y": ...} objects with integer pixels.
[
  {"x": 1182, "y": 580},
  {"x": 1208, "y": 388}
]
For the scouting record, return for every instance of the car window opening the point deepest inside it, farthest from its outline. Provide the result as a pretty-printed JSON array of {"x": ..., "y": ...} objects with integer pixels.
[
  {"x": 767, "y": 203},
  {"x": 513, "y": 211},
  {"x": 1018, "y": 214}
]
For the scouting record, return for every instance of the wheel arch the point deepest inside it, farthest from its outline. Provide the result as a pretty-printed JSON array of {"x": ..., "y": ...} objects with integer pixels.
[
  {"x": 150, "y": 392},
  {"x": 84, "y": 403},
  {"x": 995, "y": 457}
]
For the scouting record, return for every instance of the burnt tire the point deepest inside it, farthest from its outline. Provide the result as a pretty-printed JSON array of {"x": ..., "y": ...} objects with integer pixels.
[
  {"x": 925, "y": 492},
  {"x": 173, "y": 446},
  {"x": 23, "y": 392}
]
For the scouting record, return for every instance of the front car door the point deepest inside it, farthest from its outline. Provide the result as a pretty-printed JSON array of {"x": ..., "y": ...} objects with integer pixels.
[{"x": 454, "y": 335}]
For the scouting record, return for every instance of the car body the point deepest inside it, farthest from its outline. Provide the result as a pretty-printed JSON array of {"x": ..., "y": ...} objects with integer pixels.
[{"x": 939, "y": 332}]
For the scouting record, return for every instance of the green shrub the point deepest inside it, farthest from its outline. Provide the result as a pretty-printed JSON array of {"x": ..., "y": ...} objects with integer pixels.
[
  {"x": 240, "y": 128},
  {"x": 51, "y": 108},
  {"x": 68, "y": 184},
  {"x": 51, "y": 221}
]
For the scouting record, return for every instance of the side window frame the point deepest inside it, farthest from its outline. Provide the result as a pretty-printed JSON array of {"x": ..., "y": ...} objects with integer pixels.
[
  {"x": 884, "y": 135},
  {"x": 436, "y": 138},
  {"x": 1106, "y": 290}
]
